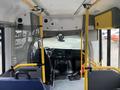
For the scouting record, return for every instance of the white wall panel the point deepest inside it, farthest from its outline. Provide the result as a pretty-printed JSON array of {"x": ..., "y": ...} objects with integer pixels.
[
  {"x": 63, "y": 23},
  {"x": 8, "y": 48}
]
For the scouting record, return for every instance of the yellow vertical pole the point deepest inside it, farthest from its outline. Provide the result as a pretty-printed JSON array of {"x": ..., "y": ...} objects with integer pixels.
[
  {"x": 81, "y": 61},
  {"x": 42, "y": 49},
  {"x": 86, "y": 47}
]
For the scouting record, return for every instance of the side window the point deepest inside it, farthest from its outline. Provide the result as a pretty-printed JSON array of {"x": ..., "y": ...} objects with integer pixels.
[{"x": 115, "y": 47}]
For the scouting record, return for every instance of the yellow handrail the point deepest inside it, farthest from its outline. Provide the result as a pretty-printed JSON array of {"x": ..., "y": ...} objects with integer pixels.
[
  {"x": 81, "y": 59},
  {"x": 86, "y": 48},
  {"x": 98, "y": 67},
  {"x": 92, "y": 63},
  {"x": 42, "y": 49},
  {"x": 25, "y": 65},
  {"x": 106, "y": 68},
  {"x": 95, "y": 63}
]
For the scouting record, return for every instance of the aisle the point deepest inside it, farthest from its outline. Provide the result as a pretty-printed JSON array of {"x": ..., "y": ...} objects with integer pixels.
[{"x": 69, "y": 85}]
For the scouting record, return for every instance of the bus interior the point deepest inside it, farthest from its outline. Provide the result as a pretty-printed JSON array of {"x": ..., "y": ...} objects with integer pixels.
[{"x": 60, "y": 44}]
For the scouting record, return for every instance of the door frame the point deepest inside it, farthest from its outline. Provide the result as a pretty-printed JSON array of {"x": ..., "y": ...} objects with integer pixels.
[{"x": 2, "y": 40}]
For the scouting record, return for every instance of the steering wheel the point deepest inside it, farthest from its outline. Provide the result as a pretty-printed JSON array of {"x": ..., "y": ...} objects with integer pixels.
[{"x": 49, "y": 51}]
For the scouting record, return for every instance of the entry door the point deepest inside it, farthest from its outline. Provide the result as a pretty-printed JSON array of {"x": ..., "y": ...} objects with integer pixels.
[{"x": 2, "y": 51}]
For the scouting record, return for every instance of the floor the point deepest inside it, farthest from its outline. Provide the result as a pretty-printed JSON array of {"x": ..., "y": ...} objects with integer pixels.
[{"x": 69, "y": 85}]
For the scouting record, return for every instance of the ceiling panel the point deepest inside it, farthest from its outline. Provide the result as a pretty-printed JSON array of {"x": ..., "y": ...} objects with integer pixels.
[
  {"x": 104, "y": 5},
  {"x": 10, "y": 9},
  {"x": 55, "y": 7},
  {"x": 60, "y": 7}
]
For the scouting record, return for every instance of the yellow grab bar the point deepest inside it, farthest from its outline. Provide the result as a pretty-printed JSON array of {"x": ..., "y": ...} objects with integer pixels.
[
  {"x": 96, "y": 67},
  {"x": 106, "y": 68},
  {"x": 26, "y": 65},
  {"x": 93, "y": 63},
  {"x": 86, "y": 48},
  {"x": 42, "y": 49},
  {"x": 81, "y": 59}
]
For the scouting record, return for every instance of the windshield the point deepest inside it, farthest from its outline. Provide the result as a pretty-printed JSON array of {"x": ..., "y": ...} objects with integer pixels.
[{"x": 70, "y": 42}]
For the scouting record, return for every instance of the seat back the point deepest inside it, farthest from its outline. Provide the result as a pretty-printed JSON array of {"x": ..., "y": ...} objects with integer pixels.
[
  {"x": 103, "y": 80},
  {"x": 20, "y": 84}
]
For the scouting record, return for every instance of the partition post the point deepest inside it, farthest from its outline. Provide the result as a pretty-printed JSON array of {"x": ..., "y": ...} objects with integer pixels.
[
  {"x": 109, "y": 47},
  {"x": 100, "y": 47},
  {"x": 119, "y": 50}
]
